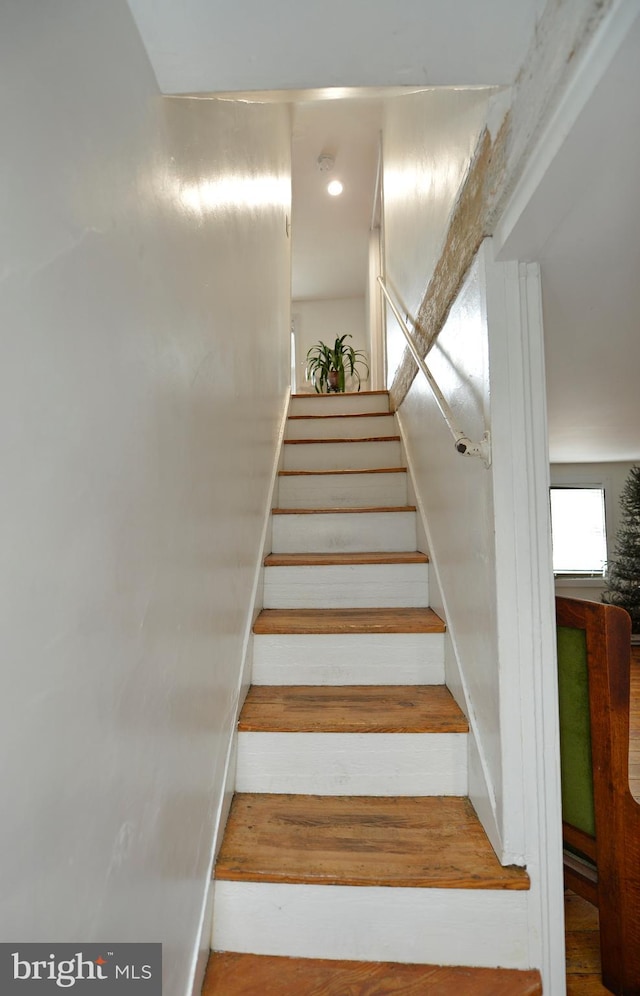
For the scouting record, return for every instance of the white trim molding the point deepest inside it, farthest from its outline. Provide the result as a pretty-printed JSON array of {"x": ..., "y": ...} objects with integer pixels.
[{"x": 528, "y": 678}]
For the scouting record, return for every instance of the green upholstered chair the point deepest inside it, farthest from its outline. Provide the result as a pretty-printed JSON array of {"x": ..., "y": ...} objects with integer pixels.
[{"x": 601, "y": 819}]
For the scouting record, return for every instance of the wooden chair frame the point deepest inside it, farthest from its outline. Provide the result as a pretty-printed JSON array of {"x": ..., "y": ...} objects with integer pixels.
[{"x": 610, "y": 874}]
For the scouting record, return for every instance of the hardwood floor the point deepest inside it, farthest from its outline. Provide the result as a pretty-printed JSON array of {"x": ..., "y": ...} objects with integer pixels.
[{"x": 583, "y": 947}]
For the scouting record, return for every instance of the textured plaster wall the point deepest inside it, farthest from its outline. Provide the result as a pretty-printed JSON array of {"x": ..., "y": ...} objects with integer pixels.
[
  {"x": 515, "y": 123},
  {"x": 144, "y": 335},
  {"x": 429, "y": 139}
]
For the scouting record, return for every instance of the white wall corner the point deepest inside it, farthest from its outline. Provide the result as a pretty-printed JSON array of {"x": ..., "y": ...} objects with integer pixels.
[
  {"x": 528, "y": 683},
  {"x": 482, "y": 792},
  {"x": 201, "y": 953},
  {"x": 481, "y": 788},
  {"x": 511, "y": 512}
]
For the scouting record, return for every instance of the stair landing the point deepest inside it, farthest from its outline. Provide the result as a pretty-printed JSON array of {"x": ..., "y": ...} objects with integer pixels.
[{"x": 230, "y": 974}]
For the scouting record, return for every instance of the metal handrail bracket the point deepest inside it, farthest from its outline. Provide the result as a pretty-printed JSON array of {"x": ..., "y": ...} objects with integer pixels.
[{"x": 462, "y": 443}]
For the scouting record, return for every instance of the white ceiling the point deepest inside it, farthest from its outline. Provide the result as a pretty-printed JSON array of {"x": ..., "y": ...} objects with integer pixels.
[
  {"x": 197, "y": 46},
  {"x": 330, "y": 244},
  {"x": 582, "y": 224}
]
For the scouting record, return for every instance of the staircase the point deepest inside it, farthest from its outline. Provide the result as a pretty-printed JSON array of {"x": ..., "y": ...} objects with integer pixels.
[{"x": 352, "y": 860}]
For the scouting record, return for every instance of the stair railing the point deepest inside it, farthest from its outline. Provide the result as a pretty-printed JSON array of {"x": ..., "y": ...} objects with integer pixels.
[{"x": 462, "y": 442}]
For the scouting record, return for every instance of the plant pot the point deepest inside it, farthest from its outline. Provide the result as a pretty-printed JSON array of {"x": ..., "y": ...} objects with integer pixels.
[{"x": 333, "y": 381}]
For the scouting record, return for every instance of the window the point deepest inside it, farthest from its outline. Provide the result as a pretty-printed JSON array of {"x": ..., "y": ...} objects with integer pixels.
[{"x": 578, "y": 531}]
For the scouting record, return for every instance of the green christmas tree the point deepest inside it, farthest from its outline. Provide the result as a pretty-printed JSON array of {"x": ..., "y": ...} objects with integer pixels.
[{"x": 623, "y": 574}]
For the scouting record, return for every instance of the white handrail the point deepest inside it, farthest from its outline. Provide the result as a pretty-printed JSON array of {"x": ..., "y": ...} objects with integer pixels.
[{"x": 462, "y": 442}]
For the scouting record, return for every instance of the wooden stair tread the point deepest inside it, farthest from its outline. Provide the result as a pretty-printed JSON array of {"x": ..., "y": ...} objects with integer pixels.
[
  {"x": 348, "y": 509},
  {"x": 337, "y": 394},
  {"x": 357, "y": 439},
  {"x": 339, "y": 415},
  {"x": 408, "y": 842},
  {"x": 233, "y": 974},
  {"x": 331, "y": 559},
  {"x": 351, "y": 709},
  {"x": 317, "y": 621},
  {"x": 350, "y": 470}
]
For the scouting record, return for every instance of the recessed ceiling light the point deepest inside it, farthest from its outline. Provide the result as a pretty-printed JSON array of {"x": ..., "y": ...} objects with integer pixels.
[{"x": 335, "y": 188}]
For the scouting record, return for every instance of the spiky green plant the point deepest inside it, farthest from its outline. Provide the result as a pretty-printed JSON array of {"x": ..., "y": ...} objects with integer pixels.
[
  {"x": 623, "y": 573},
  {"x": 339, "y": 359}
]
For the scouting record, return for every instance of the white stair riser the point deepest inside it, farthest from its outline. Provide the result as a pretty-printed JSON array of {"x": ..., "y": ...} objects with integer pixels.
[
  {"x": 342, "y": 428},
  {"x": 339, "y": 404},
  {"x": 482, "y": 927},
  {"x": 341, "y": 456},
  {"x": 349, "y": 659},
  {"x": 357, "y": 586},
  {"x": 342, "y": 490},
  {"x": 388, "y": 764},
  {"x": 345, "y": 532}
]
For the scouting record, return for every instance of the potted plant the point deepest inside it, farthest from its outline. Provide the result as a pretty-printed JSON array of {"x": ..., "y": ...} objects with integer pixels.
[{"x": 327, "y": 366}]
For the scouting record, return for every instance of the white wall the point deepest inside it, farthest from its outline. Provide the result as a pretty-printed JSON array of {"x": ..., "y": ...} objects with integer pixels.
[
  {"x": 457, "y": 496},
  {"x": 144, "y": 316},
  {"x": 428, "y": 141},
  {"x": 487, "y": 530},
  {"x": 324, "y": 320},
  {"x": 612, "y": 477}
]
